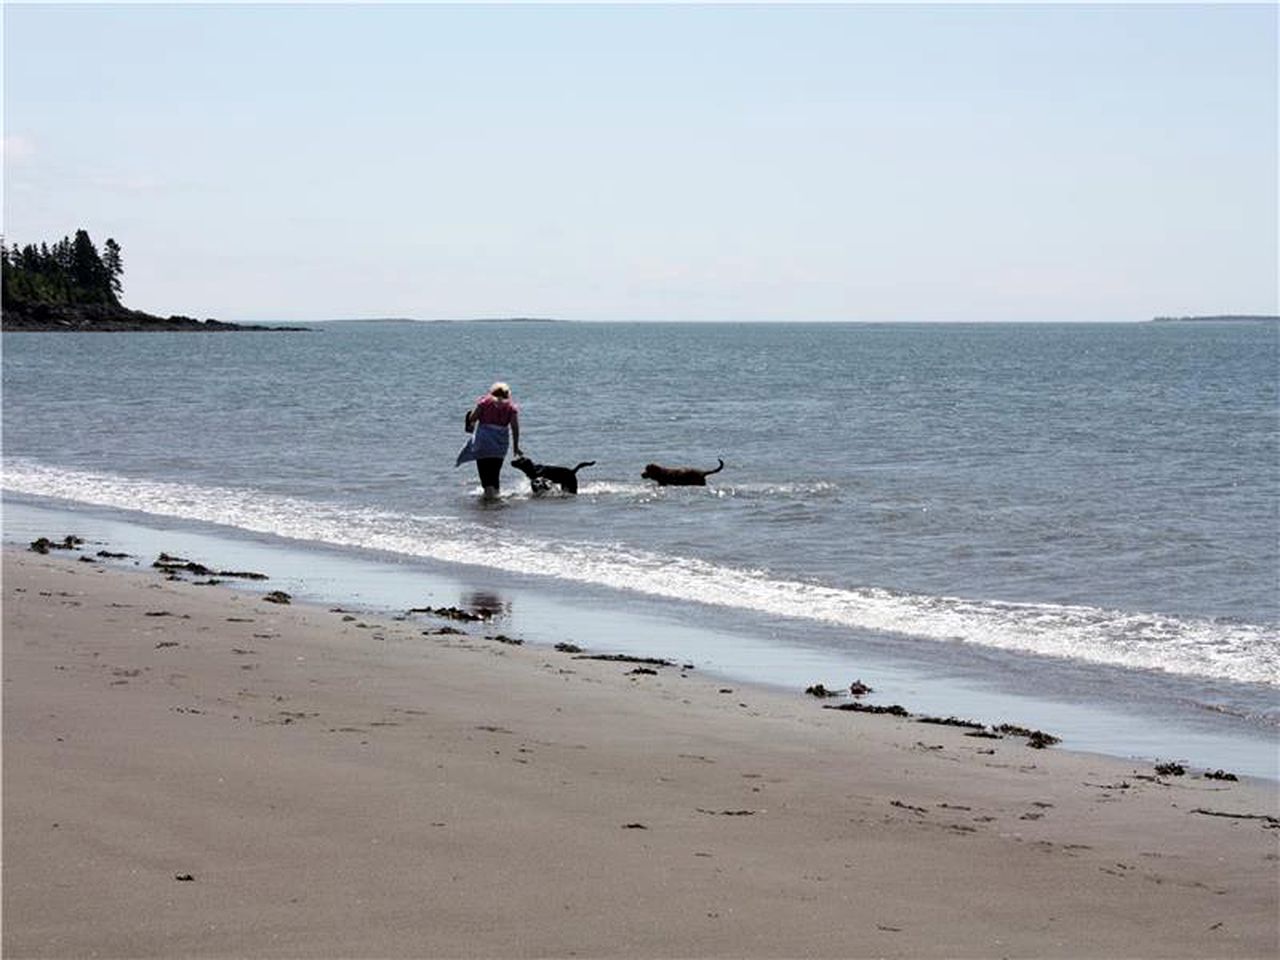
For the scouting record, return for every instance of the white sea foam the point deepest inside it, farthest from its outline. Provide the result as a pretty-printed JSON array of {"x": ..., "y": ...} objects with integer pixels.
[
  {"x": 646, "y": 489},
  {"x": 1193, "y": 647}
]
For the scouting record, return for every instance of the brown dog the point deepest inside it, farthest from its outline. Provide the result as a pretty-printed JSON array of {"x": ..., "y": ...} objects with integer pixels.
[{"x": 679, "y": 476}]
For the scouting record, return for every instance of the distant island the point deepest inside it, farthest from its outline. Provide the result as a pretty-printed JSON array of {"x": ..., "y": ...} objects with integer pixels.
[
  {"x": 72, "y": 287},
  {"x": 503, "y": 320},
  {"x": 1219, "y": 319},
  {"x": 387, "y": 320}
]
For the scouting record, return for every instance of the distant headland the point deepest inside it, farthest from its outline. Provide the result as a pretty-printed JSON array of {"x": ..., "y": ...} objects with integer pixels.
[
  {"x": 1217, "y": 319},
  {"x": 72, "y": 287}
]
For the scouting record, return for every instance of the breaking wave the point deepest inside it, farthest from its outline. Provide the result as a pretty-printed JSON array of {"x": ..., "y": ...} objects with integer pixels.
[{"x": 1217, "y": 649}]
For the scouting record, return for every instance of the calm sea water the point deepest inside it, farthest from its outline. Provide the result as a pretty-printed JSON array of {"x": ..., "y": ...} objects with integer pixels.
[{"x": 1078, "y": 497}]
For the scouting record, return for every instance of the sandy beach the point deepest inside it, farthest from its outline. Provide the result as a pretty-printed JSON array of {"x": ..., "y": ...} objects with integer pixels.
[{"x": 191, "y": 770}]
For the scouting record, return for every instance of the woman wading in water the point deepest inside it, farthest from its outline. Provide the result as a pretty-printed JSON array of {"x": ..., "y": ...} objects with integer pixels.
[{"x": 489, "y": 422}]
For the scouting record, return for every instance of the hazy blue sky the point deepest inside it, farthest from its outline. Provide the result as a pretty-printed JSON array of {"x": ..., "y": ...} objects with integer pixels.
[{"x": 766, "y": 162}]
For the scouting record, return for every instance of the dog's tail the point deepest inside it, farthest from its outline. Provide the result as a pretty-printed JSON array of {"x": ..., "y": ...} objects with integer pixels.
[
  {"x": 717, "y": 469},
  {"x": 584, "y": 463}
]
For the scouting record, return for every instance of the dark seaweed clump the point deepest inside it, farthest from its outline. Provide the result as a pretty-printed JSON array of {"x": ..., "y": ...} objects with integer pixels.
[
  {"x": 893, "y": 709},
  {"x": 454, "y": 613},
  {"x": 818, "y": 690},
  {"x": 44, "y": 544},
  {"x": 953, "y": 722},
  {"x": 1036, "y": 739},
  {"x": 626, "y": 658}
]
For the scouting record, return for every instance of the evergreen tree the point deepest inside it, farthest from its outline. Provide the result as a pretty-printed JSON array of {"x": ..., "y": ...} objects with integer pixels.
[
  {"x": 87, "y": 272},
  {"x": 115, "y": 267},
  {"x": 71, "y": 272},
  {"x": 62, "y": 256}
]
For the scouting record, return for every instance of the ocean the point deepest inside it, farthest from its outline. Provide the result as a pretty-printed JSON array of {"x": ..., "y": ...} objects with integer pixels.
[{"x": 1082, "y": 520}]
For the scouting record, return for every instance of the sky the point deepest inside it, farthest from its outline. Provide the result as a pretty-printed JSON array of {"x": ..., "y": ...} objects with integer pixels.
[{"x": 764, "y": 162}]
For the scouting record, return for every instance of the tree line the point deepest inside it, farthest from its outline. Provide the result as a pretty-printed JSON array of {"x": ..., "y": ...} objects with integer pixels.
[{"x": 72, "y": 271}]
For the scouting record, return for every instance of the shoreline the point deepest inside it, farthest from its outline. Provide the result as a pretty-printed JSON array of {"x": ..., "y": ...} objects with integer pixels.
[
  {"x": 41, "y": 317},
  {"x": 337, "y": 783},
  {"x": 1109, "y": 712}
]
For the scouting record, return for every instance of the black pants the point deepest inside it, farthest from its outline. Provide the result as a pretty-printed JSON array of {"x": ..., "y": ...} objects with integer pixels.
[{"x": 490, "y": 469}]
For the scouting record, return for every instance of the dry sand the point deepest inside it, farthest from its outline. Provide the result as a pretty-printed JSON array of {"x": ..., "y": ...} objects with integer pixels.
[{"x": 192, "y": 771}]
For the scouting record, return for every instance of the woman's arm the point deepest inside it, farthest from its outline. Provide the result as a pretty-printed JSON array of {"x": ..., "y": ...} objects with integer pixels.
[
  {"x": 515, "y": 434},
  {"x": 472, "y": 416}
]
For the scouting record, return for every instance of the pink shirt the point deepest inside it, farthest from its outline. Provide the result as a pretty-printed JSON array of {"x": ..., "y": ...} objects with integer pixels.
[{"x": 497, "y": 412}]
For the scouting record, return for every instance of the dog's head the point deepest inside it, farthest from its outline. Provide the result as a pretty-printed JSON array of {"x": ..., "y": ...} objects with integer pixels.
[
  {"x": 524, "y": 465},
  {"x": 651, "y": 472}
]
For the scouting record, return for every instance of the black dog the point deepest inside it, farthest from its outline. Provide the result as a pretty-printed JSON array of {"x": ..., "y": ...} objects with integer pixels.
[
  {"x": 679, "y": 476},
  {"x": 541, "y": 476}
]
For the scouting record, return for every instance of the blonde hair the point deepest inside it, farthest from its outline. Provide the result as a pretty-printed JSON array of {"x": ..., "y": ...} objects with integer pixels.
[{"x": 500, "y": 390}]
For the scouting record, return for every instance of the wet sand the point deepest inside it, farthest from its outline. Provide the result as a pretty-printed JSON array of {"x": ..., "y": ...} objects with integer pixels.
[{"x": 194, "y": 771}]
